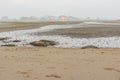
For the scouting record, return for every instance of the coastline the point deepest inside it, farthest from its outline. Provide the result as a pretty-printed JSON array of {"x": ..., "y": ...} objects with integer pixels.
[{"x": 39, "y": 63}]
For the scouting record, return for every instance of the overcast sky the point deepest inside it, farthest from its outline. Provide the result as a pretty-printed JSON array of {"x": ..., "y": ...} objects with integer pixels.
[{"x": 79, "y": 8}]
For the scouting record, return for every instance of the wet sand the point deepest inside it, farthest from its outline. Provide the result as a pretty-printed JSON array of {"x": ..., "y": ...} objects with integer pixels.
[
  {"x": 86, "y": 32},
  {"x": 92, "y": 31},
  {"x": 12, "y": 26},
  {"x": 59, "y": 64}
]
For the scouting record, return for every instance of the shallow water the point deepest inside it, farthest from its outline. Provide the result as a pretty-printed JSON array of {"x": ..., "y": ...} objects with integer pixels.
[{"x": 66, "y": 42}]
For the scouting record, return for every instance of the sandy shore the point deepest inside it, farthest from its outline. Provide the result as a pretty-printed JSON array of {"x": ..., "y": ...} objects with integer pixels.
[{"x": 59, "y": 64}]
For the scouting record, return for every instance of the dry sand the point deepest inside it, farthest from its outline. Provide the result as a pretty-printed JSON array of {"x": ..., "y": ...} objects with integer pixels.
[{"x": 59, "y": 64}]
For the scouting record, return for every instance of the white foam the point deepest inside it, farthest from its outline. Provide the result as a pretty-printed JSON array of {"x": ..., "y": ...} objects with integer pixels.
[
  {"x": 101, "y": 23},
  {"x": 67, "y": 42}
]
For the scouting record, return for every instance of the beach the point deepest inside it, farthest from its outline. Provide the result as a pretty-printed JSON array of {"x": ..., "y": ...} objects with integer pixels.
[
  {"x": 21, "y": 63},
  {"x": 66, "y": 60}
]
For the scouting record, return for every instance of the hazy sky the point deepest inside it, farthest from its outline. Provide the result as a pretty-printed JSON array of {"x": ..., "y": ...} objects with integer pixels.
[{"x": 78, "y": 8}]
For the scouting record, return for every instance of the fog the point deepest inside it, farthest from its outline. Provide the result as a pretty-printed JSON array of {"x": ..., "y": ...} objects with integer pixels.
[{"x": 106, "y": 9}]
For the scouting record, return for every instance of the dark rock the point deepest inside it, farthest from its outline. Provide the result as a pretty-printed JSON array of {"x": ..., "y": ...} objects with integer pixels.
[
  {"x": 3, "y": 38},
  {"x": 9, "y": 45},
  {"x": 90, "y": 46},
  {"x": 16, "y": 41},
  {"x": 43, "y": 43}
]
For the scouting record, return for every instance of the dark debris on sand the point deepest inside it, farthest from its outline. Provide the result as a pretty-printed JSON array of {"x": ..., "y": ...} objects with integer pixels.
[
  {"x": 43, "y": 43},
  {"x": 90, "y": 47}
]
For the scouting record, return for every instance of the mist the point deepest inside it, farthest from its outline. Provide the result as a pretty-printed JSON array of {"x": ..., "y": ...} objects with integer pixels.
[{"x": 106, "y": 9}]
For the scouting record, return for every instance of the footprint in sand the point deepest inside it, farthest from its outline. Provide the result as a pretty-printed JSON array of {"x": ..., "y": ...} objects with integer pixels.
[
  {"x": 52, "y": 67},
  {"x": 24, "y": 74},
  {"x": 1, "y": 67},
  {"x": 40, "y": 55},
  {"x": 102, "y": 52},
  {"x": 119, "y": 78},
  {"x": 35, "y": 77},
  {"x": 111, "y": 69},
  {"x": 54, "y": 76}
]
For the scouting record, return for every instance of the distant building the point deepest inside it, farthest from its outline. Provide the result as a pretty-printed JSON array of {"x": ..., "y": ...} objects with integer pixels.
[
  {"x": 52, "y": 18},
  {"x": 71, "y": 18},
  {"x": 4, "y": 18},
  {"x": 24, "y": 18},
  {"x": 88, "y": 18},
  {"x": 63, "y": 18},
  {"x": 48, "y": 18},
  {"x": 31, "y": 18},
  {"x": 97, "y": 18}
]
